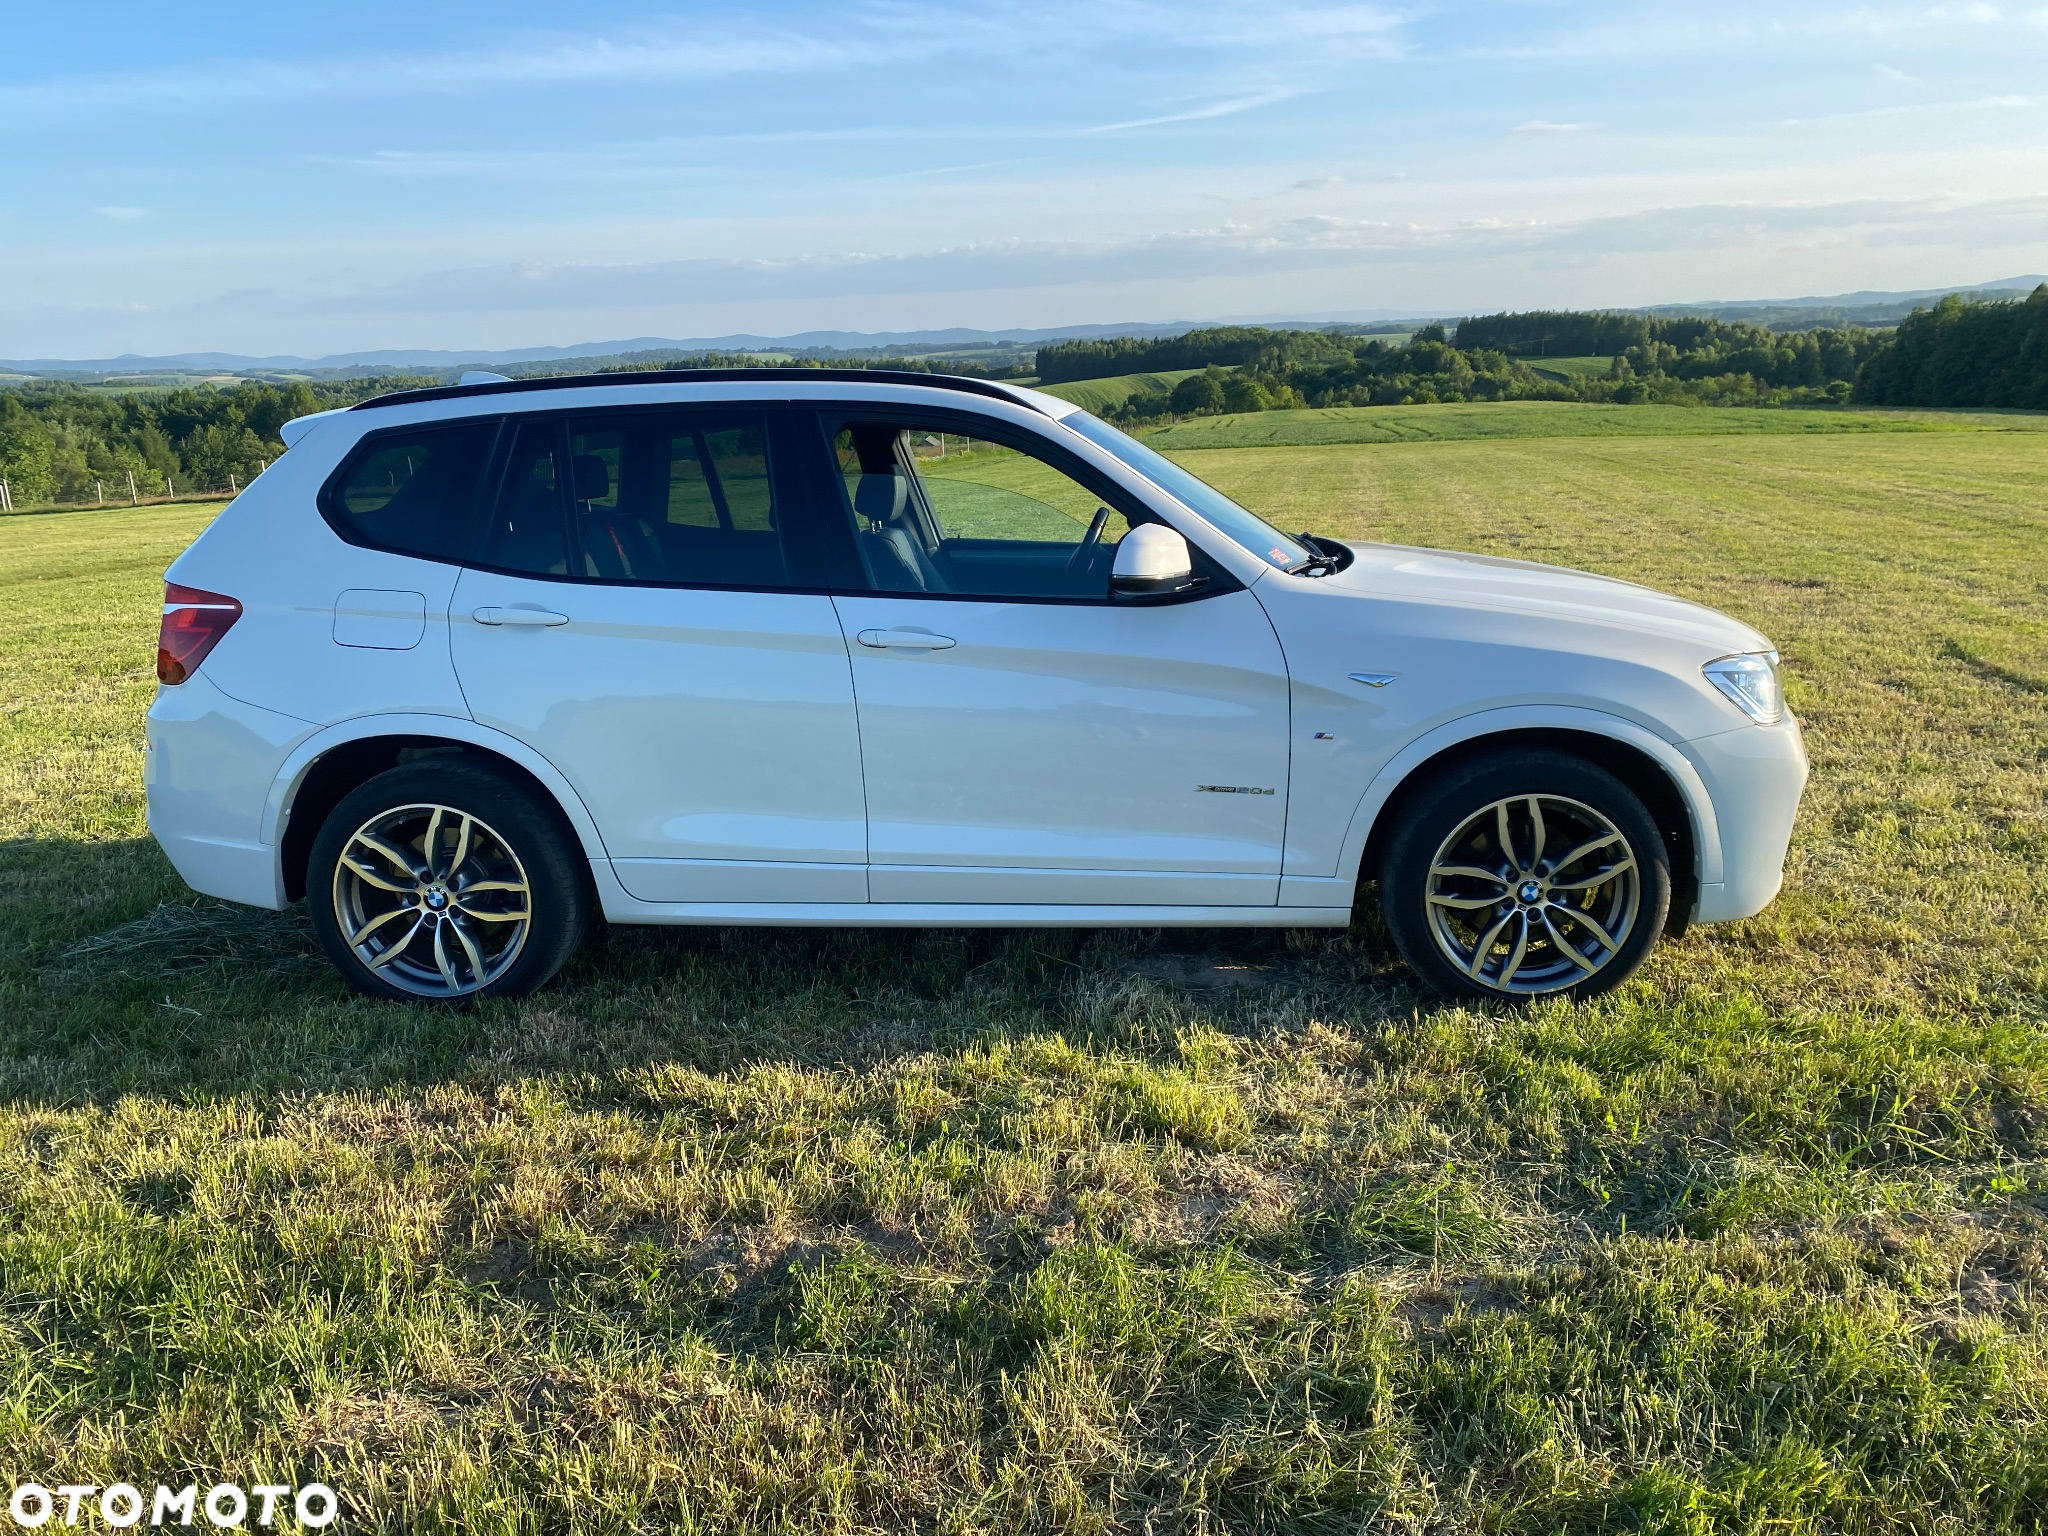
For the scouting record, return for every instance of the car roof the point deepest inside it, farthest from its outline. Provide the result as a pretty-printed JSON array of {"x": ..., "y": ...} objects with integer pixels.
[{"x": 991, "y": 389}]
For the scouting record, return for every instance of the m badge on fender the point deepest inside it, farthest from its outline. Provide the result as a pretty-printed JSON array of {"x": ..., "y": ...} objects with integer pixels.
[{"x": 1229, "y": 789}]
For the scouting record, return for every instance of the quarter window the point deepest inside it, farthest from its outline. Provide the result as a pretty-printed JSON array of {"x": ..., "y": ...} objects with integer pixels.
[{"x": 412, "y": 492}]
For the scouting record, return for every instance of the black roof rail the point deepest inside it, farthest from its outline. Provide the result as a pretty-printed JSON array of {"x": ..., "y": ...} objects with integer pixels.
[{"x": 984, "y": 387}]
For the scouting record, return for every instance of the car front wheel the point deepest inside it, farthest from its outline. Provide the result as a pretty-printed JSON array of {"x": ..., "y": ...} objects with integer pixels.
[
  {"x": 445, "y": 882},
  {"x": 1526, "y": 874}
]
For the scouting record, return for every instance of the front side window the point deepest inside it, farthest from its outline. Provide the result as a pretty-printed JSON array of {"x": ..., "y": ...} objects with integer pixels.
[
  {"x": 680, "y": 498},
  {"x": 411, "y": 492},
  {"x": 939, "y": 513}
]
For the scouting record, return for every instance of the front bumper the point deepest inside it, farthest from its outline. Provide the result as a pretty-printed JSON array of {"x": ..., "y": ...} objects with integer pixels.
[{"x": 1754, "y": 775}]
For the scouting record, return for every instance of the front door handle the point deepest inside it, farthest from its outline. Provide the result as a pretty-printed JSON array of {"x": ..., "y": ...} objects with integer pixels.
[
  {"x": 905, "y": 640},
  {"x": 522, "y": 618}
]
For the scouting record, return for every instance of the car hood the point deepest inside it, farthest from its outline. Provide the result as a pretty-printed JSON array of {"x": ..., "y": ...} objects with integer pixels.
[{"x": 1404, "y": 572}]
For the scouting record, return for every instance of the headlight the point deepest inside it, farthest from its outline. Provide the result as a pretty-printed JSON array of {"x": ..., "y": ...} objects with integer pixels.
[{"x": 1751, "y": 682}]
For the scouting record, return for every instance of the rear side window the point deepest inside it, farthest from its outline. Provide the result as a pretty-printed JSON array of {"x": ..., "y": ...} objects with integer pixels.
[
  {"x": 526, "y": 531},
  {"x": 411, "y": 492},
  {"x": 675, "y": 498}
]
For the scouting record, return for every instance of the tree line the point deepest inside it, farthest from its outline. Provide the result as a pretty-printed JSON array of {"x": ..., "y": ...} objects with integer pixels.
[
  {"x": 1960, "y": 353},
  {"x": 62, "y": 442},
  {"x": 66, "y": 443}
]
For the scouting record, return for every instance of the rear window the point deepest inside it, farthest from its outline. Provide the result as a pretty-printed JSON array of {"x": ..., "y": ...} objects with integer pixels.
[{"x": 411, "y": 492}]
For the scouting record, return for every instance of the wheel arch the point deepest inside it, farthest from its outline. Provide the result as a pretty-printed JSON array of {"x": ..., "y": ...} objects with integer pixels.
[
  {"x": 328, "y": 766},
  {"x": 1655, "y": 770}
]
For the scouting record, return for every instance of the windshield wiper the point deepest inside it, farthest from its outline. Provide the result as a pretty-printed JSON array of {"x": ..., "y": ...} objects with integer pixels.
[{"x": 1325, "y": 557}]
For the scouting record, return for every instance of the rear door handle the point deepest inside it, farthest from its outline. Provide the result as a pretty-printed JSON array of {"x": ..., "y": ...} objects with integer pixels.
[
  {"x": 905, "y": 640},
  {"x": 525, "y": 618}
]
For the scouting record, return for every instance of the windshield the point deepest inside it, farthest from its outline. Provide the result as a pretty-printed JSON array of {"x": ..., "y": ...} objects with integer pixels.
[{"x": 1245, "y": 529}]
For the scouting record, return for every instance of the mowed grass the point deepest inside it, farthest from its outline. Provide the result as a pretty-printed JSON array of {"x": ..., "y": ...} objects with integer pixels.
[
  {"x": 1571, "y": 367},
  {"x": 1333, "y": 425},
  {"x": 1100, "y": 395},
  {"x": 1124, "y": 1232}
]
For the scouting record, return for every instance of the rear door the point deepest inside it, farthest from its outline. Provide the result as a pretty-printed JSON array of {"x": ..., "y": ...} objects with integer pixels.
[
  {"x": 650, "y": 615},
  {"x": 1026, "y": 738}
]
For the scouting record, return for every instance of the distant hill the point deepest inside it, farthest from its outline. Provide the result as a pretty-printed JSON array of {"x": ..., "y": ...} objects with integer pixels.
[
  {"x": 1864, "y": 308},
  {"x": 994, "y": 348},
  {"x": 954, "y": 339}
]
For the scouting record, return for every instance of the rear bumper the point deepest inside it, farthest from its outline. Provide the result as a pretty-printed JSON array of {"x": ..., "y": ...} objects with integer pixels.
[
  {"x": 207, "y": 770},
  {"x": 1754, "y": 775}
]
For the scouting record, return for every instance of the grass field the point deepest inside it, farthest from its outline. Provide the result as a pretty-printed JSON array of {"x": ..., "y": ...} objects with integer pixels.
[
  {"x": 746, "y": 1230},
  {"x": 1569, "y": 368},
  {"x": 1100, "y": 395},
  {"x": 1548, "y": 418}
]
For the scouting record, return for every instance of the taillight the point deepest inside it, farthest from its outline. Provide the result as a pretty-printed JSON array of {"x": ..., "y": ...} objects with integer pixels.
[{"x": 193, "y": 623}]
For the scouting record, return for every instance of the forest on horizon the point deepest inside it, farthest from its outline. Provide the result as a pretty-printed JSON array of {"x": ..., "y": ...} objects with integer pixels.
[{"x": 66, "y": 443}]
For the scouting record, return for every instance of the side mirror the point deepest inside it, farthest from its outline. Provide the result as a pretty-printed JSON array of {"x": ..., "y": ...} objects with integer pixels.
[{"x": 1152, "y": 561}]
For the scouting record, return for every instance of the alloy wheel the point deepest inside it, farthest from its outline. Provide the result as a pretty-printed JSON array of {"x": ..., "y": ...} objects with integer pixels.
[
  {"x": 433, "y": 900},
  {"x": 1533, "y": 894}
]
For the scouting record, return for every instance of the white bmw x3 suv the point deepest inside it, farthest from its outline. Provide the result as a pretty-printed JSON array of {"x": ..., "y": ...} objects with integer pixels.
[{"x": 469, "y": 666}]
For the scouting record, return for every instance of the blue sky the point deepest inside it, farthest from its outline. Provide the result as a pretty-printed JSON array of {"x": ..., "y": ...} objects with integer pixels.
[{"x": 322, "y": 177}]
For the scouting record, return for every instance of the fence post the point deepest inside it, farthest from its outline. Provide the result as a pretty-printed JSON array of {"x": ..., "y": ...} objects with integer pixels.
[
  {"x": 6, "y": 500},
  {"x": 99, "y": 489},
  {"x": 132, "y": 498},
  {"x": 232, "y": 491},
  {"x": 170, "y": 490}
]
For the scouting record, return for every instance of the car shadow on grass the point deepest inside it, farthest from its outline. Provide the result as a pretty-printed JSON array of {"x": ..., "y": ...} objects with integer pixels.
[{"x": 194, "y": 996}]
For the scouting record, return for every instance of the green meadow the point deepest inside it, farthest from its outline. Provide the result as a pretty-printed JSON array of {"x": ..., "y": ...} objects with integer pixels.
[
  {"x": 1568, "y": 368},
  {"x": 752, "y": 1230},
  {"x": 1100, "y": 395}
]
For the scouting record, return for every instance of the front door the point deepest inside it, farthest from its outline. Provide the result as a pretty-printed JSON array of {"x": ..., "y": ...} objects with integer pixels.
[
  {"x": 639, "y": 622},
  {"x": 1024, "y": 738}
]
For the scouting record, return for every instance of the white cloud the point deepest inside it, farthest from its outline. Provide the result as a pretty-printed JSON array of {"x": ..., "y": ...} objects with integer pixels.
[
  {"x": 1544, "y": 125},
  {"x": 1267, "y": 255},
  {"x": 119, "y": 214}
]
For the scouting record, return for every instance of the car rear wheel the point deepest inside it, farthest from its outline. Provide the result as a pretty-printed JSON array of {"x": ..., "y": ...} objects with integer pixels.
[
  {"x": 1524, "y": 875},
  {"x": 445, "y": 882}
]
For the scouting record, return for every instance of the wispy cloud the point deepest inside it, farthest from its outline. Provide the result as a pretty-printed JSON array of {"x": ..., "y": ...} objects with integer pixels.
[
  {"x": 1199, "y": 114},
  {"x": 1631, "y": 30},
  {"x": 874, "y": 36},
  {"x": 120, "y": 214},
  {"x": 1544, "y": 125},
  {"x": 1917, "y": 109}
]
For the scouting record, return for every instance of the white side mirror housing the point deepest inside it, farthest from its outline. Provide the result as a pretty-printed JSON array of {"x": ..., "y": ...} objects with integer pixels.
[{"x": 1151, "y": 561}]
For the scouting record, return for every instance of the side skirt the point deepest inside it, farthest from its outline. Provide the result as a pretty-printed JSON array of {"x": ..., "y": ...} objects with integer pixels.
[{"x": 622, "y": 908}]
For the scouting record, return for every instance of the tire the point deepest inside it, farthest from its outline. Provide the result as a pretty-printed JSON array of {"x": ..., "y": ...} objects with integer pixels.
[
  {"x": 496, "y": 912},
  {"x": 1541, "y": 922}
]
